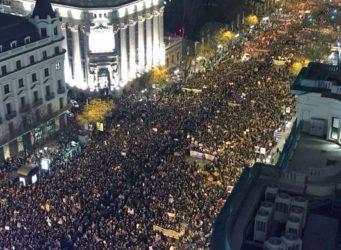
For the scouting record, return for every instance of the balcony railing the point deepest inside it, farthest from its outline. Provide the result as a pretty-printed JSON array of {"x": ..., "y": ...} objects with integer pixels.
[
  {"x": 37, "y": 102},
  {"x": 61, "y": 90},
  {"x": 11, "y": 115},
  {"x": 24, "y": 108},
  {"x": 49, "y": 96}
]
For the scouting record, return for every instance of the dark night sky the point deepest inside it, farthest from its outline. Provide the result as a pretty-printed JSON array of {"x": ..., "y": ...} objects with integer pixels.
[{"x": 192, "y": 14}]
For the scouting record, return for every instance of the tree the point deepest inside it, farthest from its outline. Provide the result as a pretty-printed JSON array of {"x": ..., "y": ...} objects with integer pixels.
[
  {"x": 224, "y": 36},
  {"x": 95, "y": 111},
  {"x": 206, "y": 52},
  {"x": 251, "y": 20},
  {"x": 158, "y": 75}
]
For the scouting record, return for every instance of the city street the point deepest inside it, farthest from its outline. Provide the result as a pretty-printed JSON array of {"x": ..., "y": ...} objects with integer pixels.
[{"x": 133, "y": 185}]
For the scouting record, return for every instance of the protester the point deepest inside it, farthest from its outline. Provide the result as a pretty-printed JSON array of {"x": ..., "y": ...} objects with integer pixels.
[{"x": 134, "y": 186}]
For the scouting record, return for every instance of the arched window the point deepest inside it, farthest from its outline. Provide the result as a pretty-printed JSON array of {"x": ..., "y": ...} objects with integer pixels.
[{"x": 13, "y": 44}]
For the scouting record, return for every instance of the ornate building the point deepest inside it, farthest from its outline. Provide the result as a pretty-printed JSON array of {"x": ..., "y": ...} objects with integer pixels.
[
  {"x": 108, "y": 43},
  {"x": 33, "y": 97}
]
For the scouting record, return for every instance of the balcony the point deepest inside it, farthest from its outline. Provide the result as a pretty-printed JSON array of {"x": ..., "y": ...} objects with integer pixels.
[
  {"x": 49, "y": 96},
  {"x": 24, "y": 108},
  {"x": 37, "y": 102},
  {"x": 11, "y": 115},
  {"x": 61, "y": 90}
]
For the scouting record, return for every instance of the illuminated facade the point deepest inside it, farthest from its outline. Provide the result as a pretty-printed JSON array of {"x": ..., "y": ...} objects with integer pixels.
[{"x": 108, "y": 43}]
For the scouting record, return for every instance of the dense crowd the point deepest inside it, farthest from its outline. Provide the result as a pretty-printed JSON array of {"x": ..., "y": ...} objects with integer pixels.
[{"x": 138, "y": 175}]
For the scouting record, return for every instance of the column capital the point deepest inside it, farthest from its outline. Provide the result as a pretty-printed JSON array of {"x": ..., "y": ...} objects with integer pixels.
[
  {"x": 149, "y": 15},
  {"x": 156, "y": 13},
  {"x": 123, "y": 25},
  {"x": 162, "y": 10},
  {"x": 132, "y": 22},
  {"x": 140, "y": 19}
]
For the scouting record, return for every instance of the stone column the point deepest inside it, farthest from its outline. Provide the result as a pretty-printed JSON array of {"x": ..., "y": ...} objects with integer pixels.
[
  {"x": 149, "y": 41},
  {"x": 78, "y": 75},
  {"x": 132, "y": 50},
  {"x": 123, "y": 53},
  {"x": 67, "y": 67},
  {"x": 141, "y": 47},
  {"x": 161, "y": 38},
  {"x": 156, "y": 43}
]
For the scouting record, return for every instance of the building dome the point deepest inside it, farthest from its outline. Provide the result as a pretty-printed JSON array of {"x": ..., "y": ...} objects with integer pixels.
[{"x": 93, "y": 3}]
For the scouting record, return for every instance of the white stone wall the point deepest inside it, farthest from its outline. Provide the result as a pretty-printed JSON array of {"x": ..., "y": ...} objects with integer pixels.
[
  {"x": 312, "y": 106},
  {"x": 139, "y": 27}
]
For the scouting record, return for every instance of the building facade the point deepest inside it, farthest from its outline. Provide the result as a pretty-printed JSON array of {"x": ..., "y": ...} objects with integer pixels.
[
  {"x": 32, "y": 86},
  {"x": 174, "y": 48},
  {"x": 108, "y": 43},
  {"x": 318, "y": 90}
]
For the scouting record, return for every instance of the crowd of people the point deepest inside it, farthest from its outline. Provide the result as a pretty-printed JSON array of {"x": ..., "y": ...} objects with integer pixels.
[{"x": 137, "y": 177}]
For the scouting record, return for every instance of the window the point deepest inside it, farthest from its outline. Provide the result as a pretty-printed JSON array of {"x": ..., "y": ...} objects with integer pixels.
[
  {"x": 55, "y": 31},
  {"x": 24, "y": 121},
  {"x": 47, "y": 90},
  {"x": 18, "y": 64},
  {"x": 22, "y": 101},
  {"x": 43, "y": 32},
  {"x": 49, "y": 108},
  {"x": 11, "y": 128},
  {"x": 0, "y": 48},
  {"x": 4, "y": 70},
  {"x": 13, "y": 44},
  {"x": 36, "y": 97},
  {"x": 38, "y": 114},
  {"x": 21, "y": 83},
  {"x": 58, "y": 66},
  {"x": 44, "y": 54},
  {"x": 56, "y": 50},
  {"x": 60, "y": 84},
  {"x": 34, "y": 77},
  {"x": 31, "y": 59},
  {"x": 46, "y": 72},
  {"x": 61, "y": 103},
  {"x": 6, "y": 89},
  {"x": 27, "y": 40},
  {"x": 8, "y": 108}
]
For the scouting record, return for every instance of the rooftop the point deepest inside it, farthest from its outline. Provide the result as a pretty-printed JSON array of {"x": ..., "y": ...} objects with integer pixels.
[
  {"x": 93, "y": 3},
  {"x": 314, "y": 152},
  {"x": 313, "y": 167},
  {"x": 42, "y": 9},
  {"x": 317, "y": 77},
  {"x": 15, "y": 28}
]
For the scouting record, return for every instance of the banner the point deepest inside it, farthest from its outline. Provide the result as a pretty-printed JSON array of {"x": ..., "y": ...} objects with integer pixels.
[
  {"x": 169, "y": 233},
  {"x": 196, "y": 91},
  {"x": 199, "y": 155}
]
